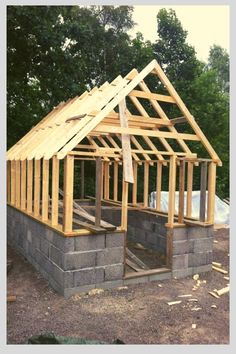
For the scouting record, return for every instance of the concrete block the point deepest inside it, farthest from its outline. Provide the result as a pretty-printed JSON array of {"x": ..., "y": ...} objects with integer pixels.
[
  {"x": 43, "y": 262},
  {"x": 199, "y": 259},
  {"x": 110, "y": 284},
  {"x": 68, "y": 292},
  {"x": 44, "y": 246},
  {"x": 91, "y": 242},
  {"x": 180, "y": 247},
  {"x": 159, "y": 276},
  {"x": 202, "y": 269},
  {"x": 179, "y": 233},
  {"x": 78, "y": 260},
  {"x": 180, "y": 261},
  {"x": 138, "y": 280},
  {"x": 65, "y": 244},
  {"x": 88, "y": 276},
  {"x": 57, "y": 256},
  {"x": 110, "y": 256},
  {"x": 203, "y": 245},
  {"x": 182, "y": 273},
  {"x": 114, "y": 272},
  {"x": 196, "y": 232},
  {"x": 29, "y": 236},
  {"x": 115, "y": 239},
  {"x": 150, "y": 239}
]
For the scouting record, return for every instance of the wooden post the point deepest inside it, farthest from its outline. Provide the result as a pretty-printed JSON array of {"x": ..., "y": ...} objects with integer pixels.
[
  {"x": 211, "y": 192},
  {"x": 203, "y": 185},
  {"x": 68, "y": 193},
  {"x": 23, "y": 185},
  {"x": 18, "y": 183},
  {"x": 98, "y": 191},
  {"x": 37, "y": 173},
  {"x": 181, "y": 191},
  {"x": 8, "y": 181},
  {"x": 106, "y": 180},
  {"x": 189, "y": 190},
  {"x": 158, "y": 185},
  {"x": 115, "y": 181},
  {"x": 172, "y": 185},
  {"x": 82, "y": 180},
  {"x": 124, "y": 210},
  {"x": 55, "y": 190},
  {"x": 13, "y": 182},
  {"x": 146, "y": 184},
  {"x": 135, "y": 184},
  {"x": 29, "y": 186},
  {"x": 102, "y": 181},
  {"x": 45, "y": 189}
]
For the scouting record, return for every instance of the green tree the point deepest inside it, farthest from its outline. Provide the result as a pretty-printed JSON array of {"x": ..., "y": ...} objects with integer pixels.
[{"x": 219, "y": 61}]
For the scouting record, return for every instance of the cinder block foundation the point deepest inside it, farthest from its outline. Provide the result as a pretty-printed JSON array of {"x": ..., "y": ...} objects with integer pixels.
[{"x": 81, "y": 263}]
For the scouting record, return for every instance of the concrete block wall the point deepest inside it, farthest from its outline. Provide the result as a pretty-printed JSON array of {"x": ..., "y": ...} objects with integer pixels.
[{"x": 70, "y": 264}]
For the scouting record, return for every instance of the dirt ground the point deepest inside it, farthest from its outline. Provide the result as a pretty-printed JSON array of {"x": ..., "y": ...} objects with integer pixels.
[{"x": 137, "y": 314}]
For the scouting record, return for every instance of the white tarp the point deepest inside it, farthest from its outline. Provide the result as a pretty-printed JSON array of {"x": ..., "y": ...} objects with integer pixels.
[{"x": 221, "y": 208}]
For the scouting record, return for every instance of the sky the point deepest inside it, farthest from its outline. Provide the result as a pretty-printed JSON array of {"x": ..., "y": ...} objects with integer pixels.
[{"x": 206, "y": 25}]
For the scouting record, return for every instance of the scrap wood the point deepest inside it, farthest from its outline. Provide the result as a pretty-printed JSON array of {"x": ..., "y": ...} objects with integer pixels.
[
  {"x": 196, "y": 309},
  {"x": 213, "y": 294},
  {"x": 216, "y": 264},
  {"x": 193, "y": 300},
  {"x": 196, "y": 277},
  {"x": 226, "y": 278},
  {"x": 220, "y": 270},
  {"x": 187, "y": 295},
  {"x": 170, "y": 303},
  {"x": 136, "y": 259},
  {"x": 139, "y": 246},
  {"x": 222, "y": 291},
  {"x": 194, "y": 325},
  {"x": 132, "y": 265},
  {"x": 11, "y": 298}
]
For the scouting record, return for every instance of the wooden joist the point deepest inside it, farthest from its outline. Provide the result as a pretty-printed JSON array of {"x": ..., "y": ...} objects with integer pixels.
[{"x": 152, "y": 96}]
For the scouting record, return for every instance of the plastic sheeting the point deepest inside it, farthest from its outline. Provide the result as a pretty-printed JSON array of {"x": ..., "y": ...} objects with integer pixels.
[{"x": 221, "y": 208}]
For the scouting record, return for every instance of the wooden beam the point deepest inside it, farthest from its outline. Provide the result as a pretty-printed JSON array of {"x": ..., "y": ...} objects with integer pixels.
[
  {"x": 189, "y": 189},
  {"x": 37, "y": 172},
  {"x": 13, "y": 182},
  {"x": 29, "y": 204},
  {"x": 203, "y": 186},
  {"x": 45, "y": 190},
  {"x": 152, "y": 96},
  {"x": 18, "y": 183},
  {"x": 126, "y": 147},
  {"x": 23, "y": 185},
  {"x": 55, "y": 190},
  {"x": 106, "y": 180},
  {"x": 115, "y": 181},
  {"x": 8, "y": 182},
  {"x": 178, "y": 120},
  {"x": 98, "y": 191},
  {"x": 135, "y": 184},
  {"x": 181, "y": 191},
  {"x": 172, "y": 187},
  {"x": 211, "y": 192},
  {"x": 82, "y": 179},
  {"x": 68, "y": 193},
  {"x": 146, "y": 185},
  {"x": 124, "y": 209},
  {"x": 158, "y": 185}
]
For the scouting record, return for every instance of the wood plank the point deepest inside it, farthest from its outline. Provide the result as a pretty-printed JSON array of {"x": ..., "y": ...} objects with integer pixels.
[
  {"x": 126, "y": 147},
  {"x": 115, "y": 181},
  {"x": 158, "y": 185},
  {"x": 136, "y": 259},
  {"x": 29, "y": 203},
  {"x": 133, "y": 265},
  {"x": 68, "y": 193},
  {"x": 23, "y": 185},
  {"x": 82, "y": 179},
  {"x": 152, "y": 96},
  {"x": 124, "y": 209},
  {"x": 37, "y": 173},
  {"x": 147, "y": 272},
  {"x": 181, "y": 191},
  {"x": 146, "y": 184},
  {"x": 98, "y": 191},
  {"x": 189, "y": 189},
  {"x": 203, "y": 186},
  {"x": 211, "y": 192},
  {"x": 178, "y": 120},
  {"x": 172, "y": 187},
  {"x": 135, "y": 184},
  {"x": 18, "y": 178},
  {"x": 45, "y": 190},
  {"x": 13, "y": 182},
  {"x": 55, "y": 191},
  {"x": 106, "y": 180},
  {"x": 8, "y": 182}
]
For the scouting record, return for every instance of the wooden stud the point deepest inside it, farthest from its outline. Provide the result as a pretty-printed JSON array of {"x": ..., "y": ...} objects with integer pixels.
[
  {"x": 13, "y": 182},
  {"x": 37, "y": 173},
  {"x": 124, "y": 209},
  {"x": 106, "y": 180},
  {"x": 135, "y": 184},
  {"x": 98, "y": 191},
  {"x": 181, "y": 191},
  {"x": 18, "y": 183},
  {"x": 115, "y": 181},
  {"x": 23, "y": 185},
  {"x": 203, "y": 186},
  {"x": 82, "y": 180},
  {"x": 146, "y": 185},
  {"x": 55, "y": 190},
  {"x": 8, "y": 181},
  {"x": 45, "y": 190},
  {"x": 68, "y": 193},
  {"x": 29, "y": 186},
  {"x": 211, "y": 192},
  {"x": 189, "y": 189},
  {"x": 158, "y": 185},
  {"x": 172, "y": 186}
]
